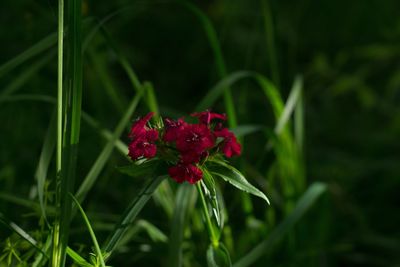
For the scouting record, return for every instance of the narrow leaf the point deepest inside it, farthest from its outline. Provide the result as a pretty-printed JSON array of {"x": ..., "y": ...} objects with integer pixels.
[
  {"x": 218, "y": 256},
  {"x": 91, "y": 232},
  {"x": 302, "y": 206},
  {"x": 131, "y": 212},
  {"x": 182, "y": 203},
  {"x": 44, "y": 162},
  {"x": 234, "y": 177}
]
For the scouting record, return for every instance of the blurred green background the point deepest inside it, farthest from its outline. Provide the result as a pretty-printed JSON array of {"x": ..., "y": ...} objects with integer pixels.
[{"x": 348, "y": 55}]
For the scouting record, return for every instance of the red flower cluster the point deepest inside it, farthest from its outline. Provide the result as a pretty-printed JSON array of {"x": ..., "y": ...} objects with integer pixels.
[{"x": 193, "y": 142}]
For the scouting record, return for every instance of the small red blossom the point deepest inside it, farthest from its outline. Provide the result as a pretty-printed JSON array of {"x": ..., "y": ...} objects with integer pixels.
[
  {"x": 193, "y": 141},
  {"x": 194, "y": 137},
  {"x": 206, "y": 117},
  {"x": 230, "y": 146},
  {"x": 141, "y": 148},
  {"x": 185, "y": 172},
  {"x": 143, "y": 139},
  {"x": 173, "y": 129},
  {"x": 139, "y": 127}
]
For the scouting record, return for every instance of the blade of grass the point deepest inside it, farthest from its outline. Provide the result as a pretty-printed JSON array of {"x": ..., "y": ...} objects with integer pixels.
[
  {"x": 34, "y": 50},
  {"x": 92, "y": 235},
  {"x": 105, "y": 154},
  {"x": 151, "y": 100},
  {"x": 219, "y": 59},
  {"x": 44, "y": 162},
  {"x": 182, "y": 204},
  {"x": 26, "y": 74},
  {"x": 299, "y": 123},
  {"x": 290, "y": 105},
  {"x": 302, "y": 206},
  {"x": 270, "y": 38},
  {"x": 106, "y": 134},
  {"x": 17, "y": 200},
  {"x": 21, "y": 232},
  {"x": 99, "y": 66},
  {"x": 130, "y": 214},
  {"x": 77, "y": 258},
  {"x": 69, "y": 113}
]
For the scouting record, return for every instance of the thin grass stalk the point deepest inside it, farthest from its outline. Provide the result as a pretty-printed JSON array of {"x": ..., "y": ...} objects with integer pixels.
[
  {"x": 56, "y": 259},
  {"x": 270, "y": 38},
  {"x": 219, "y": 60},
  {"x": 69, "y": 113}
]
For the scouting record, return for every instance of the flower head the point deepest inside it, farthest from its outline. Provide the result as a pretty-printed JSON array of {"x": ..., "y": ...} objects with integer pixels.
[
  {"x": 230, "y": 146},
  {"x": 143, "y": 139},
  {"x": 206, "y": 117},
  {"x": 139, "y": 127},
  {"x": 185, "y": 172},
  {"x": 193, "y": 142},
  {"x": 173, "y": 129},
  {"x": 141, "y": 148}
]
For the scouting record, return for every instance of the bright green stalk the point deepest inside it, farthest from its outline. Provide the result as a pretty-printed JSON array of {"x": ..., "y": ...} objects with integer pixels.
[
  {"x": 69, "y": 113},
  {"x": 213, "y": 236},
  {"x": 56, "y": 228}
]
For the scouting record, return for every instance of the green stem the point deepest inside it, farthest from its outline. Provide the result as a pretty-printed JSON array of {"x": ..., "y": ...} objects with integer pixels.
[
  {"x": 56, "y": 259},
  {"x": 213, "y": 237}
]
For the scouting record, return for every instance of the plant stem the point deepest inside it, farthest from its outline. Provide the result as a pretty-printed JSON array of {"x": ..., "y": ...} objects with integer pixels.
[
  {"x": 213, "y": 237},
  {"x": 56, "y": 259}
]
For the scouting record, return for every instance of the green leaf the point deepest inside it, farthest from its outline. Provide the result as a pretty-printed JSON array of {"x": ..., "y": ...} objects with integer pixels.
[
  {"x": 303, "y": 205},
  {"x": 91, "y": 232},
  {"x": 212, "y": 37},
  {"x": 243, "y": 130},
  {"x": 146, "y": 168},
  {"x": 131, "y": 212},
  {"x": 34, "y": 50},
  {"x": 44, "y": 162},
  {"x": 183, "y": 205},
  {"x": 21, "y": 232},
  {"x": 105, "y": 154},
  {"x": 77, "y": 258},
  {"x": 234, "y": 177},
  {"x": 218, "y": 256},
  {"x": 210, "y": 190},
  {"x": 154, "y": 233}
]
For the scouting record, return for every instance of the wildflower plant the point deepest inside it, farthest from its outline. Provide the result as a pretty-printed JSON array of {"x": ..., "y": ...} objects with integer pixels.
[{"x": 193, "y": 153}]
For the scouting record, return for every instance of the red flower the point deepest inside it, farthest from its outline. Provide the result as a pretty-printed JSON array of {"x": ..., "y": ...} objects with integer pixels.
[
  {"x": 193, "y": 141},
  {"x": 173, "y": 129},
  {"x": 230, "y": 146},
  {"x": 143, "y": 139},
  {"x": 141, "y": 148},
  {"x": 185, "y": 172},
  {"x": 139, "y": 127},
  {"x": 206, "y": 117}
]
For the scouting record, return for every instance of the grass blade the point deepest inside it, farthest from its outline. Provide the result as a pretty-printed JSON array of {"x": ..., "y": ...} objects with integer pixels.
[
  {"x": 290, "y": 104},
  {"x": 30, "y": 71},
  {"x": 19, "y": 231},
  {"x": 270, "y": 38},
  {"x": 130, "y": 214},
  {"x": 92, "y": 235},
  {"x": 44, "y": 162},
  {"x": 34, "y": 50},
  {"x": 105, "y": 154},
  {"x": 219, "y": 60},
  {"x": 77, "y": 258},
  {"x": 69, "y": 114},
  {"x": 302, "y": 206},
  {"x": 182, "y": 203}
]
